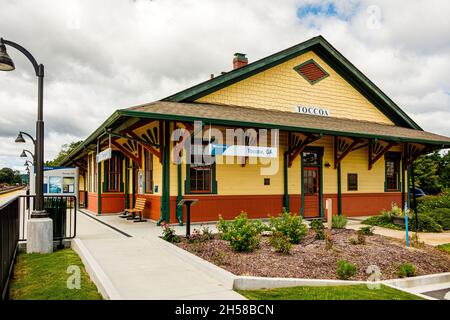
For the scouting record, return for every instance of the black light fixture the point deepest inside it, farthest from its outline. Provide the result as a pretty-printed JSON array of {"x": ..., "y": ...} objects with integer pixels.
[
  {"x": 6, "y": 63},
  {"x": 24, "y": 154},
  {"x": 19, "y": 139},
  {"x": 327, "y": 164},
  {"x": 28, "y": 162}
]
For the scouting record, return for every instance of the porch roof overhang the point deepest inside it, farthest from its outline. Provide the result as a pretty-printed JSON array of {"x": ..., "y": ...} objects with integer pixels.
[{"x": 238, "y": 116}]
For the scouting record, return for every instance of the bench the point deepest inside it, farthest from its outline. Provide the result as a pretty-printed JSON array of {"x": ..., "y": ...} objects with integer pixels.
[{"x": 139, "y": 206}]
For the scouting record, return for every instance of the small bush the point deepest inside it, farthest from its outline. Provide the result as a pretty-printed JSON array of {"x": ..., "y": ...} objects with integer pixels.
[
  {"x": 280, "y": 242},
  {"x": 345, "y": 270},
  {"x": 317, "y": 226},
  {"x": 169, "y": 234},
  {"x": 441, "y": 216},
  {"x": 360, "y": 239},
  {"x": 207, "y": 233},
  {"x": 426, "y": 223},
  {"x": 367, "y": 231},
  {"x": 406, "y": 270},
  {"x": 290, "y": 225},
  {"x": 329, "y": 242},
  {"x": 243, "y": 234},
  {"x": 429, "y": 203},
  {"x": 339, "y": 222}
]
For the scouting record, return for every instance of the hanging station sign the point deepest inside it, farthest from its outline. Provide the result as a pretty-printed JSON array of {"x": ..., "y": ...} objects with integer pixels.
[
  {"x": 243, "y": 151},
  {"x": 315, "y": 111},
  {"x": 104, "y": 155}
]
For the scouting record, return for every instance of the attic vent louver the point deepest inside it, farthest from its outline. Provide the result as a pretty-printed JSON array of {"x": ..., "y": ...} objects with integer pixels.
[{"x": 311, "y": 71}]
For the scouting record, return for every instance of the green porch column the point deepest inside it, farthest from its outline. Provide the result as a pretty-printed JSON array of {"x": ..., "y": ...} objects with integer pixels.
[
  {"x": 339, "y": 182},
  {"x": 127, "y": 184},
  {"x": 286, "y": 185},
  {"x": 165, "y": 198},
  {"x": 99, "y": 188},
  {"x": 179, "y": 210}
]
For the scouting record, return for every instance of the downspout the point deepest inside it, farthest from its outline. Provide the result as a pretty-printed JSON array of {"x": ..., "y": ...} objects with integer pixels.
[
  {"x": 339, "y": 200},
  {"x": 165, "y": 198}
]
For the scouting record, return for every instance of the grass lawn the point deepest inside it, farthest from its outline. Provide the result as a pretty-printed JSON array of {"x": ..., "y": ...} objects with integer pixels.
[
  {"x": 444, "y": 247},
  {"x": 351, "y": 292},
  {"x": 44, "y": 277}
]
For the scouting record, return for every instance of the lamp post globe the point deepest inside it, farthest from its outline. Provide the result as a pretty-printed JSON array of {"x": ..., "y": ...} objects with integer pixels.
[{"x": 6, "y": 63}]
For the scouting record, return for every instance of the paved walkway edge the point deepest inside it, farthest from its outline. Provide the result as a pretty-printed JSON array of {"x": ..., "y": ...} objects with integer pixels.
[
  {"x": 213, "y": 271},
  {"x": 96, "y": 273}
]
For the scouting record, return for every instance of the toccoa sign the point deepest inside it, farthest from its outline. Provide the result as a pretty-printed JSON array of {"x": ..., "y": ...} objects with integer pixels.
[{"x": 313, "y": 110}]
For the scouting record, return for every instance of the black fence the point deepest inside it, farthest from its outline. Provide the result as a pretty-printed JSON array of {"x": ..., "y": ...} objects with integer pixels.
[
  {"x": 9, "y": 241},
  {"x": 61, "y": 209}
]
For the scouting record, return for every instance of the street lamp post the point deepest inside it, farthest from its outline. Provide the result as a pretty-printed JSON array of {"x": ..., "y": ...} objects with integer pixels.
[
  {"x": 39, "y": 231},
  {"x": 6, "y": 64}
]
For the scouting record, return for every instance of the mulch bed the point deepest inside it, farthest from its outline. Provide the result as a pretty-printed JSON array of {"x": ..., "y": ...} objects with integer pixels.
[{"x": 311, "y": 260}]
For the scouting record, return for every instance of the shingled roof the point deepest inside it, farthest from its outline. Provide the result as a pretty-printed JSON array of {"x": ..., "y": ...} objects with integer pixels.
[{"x": 267, "y": 118}]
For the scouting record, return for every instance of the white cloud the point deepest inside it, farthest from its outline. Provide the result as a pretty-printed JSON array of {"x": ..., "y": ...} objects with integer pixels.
[{"x": 104, "y": 55}]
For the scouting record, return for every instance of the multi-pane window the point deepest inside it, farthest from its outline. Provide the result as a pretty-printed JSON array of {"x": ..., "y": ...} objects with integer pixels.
[
  {"x": 392, "y": 172},
  {"x": 352, "y": 182},
  {"x": 95, "y": 180},
  {"x": 311, "y": 181},
  {"x": 200, "y": 175},
  {"x": 113, "y": 167},
  {"x": 148, "y": 172}
]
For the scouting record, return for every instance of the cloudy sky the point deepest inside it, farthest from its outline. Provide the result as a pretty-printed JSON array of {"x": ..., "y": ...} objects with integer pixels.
[{"x": 104, "y": 55}]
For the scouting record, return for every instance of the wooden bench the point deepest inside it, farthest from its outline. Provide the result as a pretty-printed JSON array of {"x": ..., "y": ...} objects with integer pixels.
[{"x": 138, "y": 208}]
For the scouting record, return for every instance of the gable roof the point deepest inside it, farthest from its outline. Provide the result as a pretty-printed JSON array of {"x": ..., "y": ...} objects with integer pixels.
[{"x": 326, "y": 52}]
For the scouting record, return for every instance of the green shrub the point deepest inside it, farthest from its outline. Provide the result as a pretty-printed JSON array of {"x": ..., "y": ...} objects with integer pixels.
[
  {"x": 359, "y": 239},
  {"x": 441, "y": 216},
  {"x": 207, "y": 233},
  {"x": 367, "y": 230},
  {"x": 339, "y": 222},
  {"x": 317, "y": 226},
  {"x": 290, "y": 225},
  {"x": 345, "y": 270},
  {"x": 169, "y": 234},
  {"x": 280, "y": 242},
  {"x": 243, "y": 234},
  {"x": 426, "y": 223},
  {"x": 406, "y": 270},
  {"x": 428, "y": 203}
]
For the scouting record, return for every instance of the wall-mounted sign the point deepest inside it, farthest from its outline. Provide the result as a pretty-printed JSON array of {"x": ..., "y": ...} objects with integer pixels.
[
  {"x": 243, "y": 151},
  {"x": 315, "y": 111},
  {"x": 104, "y": 155}
]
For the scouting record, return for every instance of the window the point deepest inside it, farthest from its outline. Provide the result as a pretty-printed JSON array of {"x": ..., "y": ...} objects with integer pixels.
[
  {"x": 392, "y": 172},
  {"x": 55, "y": 184},
  {"x": 112, "y": 174},
  {"x": 311, "y": 181},
  {"x": 148, "y": 172},
  {"x": 68, "y": 185},
  {"x": 200, "y": 175},
  {"x": 352, "y": 182}
]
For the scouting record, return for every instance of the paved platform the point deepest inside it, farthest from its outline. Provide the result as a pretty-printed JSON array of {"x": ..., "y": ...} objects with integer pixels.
[
  {"x": 140, "y": 267},
  {"x": 433, "y": 239}
]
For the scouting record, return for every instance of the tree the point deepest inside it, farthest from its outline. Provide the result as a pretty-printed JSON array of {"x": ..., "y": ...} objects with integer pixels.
[
  {"x": 432, "y": 172},
  {"x": 10, "y": 176},
  {"x": 66, "y": 149}
]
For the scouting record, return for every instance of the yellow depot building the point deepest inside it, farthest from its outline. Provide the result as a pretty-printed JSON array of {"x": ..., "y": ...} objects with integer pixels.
[{"x": 290, "y": 130}]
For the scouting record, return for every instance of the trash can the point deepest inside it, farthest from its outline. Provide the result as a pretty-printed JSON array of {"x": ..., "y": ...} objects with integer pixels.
[{"x": 56, "y": 208}]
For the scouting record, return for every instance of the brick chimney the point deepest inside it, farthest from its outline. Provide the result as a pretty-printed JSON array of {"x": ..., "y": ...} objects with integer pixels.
[{"x": 239, "y": 60}]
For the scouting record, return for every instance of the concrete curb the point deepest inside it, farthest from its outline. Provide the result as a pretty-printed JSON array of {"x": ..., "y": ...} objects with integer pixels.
[
  {"x": 219, "y": 274},
  {"x": 256, "y": 283},
  {"x": 407, "y": 291},
  {"x": 96, "y": 273},
  {"x": 419, "y": 280}
]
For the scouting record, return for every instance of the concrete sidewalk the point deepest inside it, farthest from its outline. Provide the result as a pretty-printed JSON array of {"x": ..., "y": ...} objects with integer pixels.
[
  {"x": 433, "y": 239},
  {"x": 142, "y": 266}
]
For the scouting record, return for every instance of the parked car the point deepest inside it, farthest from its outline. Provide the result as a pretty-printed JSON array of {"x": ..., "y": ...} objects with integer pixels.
[{"x": 417, "y": 191}]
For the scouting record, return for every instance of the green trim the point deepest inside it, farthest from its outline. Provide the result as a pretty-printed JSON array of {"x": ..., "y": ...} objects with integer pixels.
[
  {"x": 297, "y": 69},
  {"x": 286, "y": 203},
  {"x": 339, "y": 185},
  {"x": 105, "y": 178},
  {"x": 403, "y": 182},
  {"x": 152, "y": 115},
  {"x": 302, "y": 194},
  {"x": 133, "y": 189},
  {"x": 325, "y": 51},
  {"x": 99, "y": 188}
]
